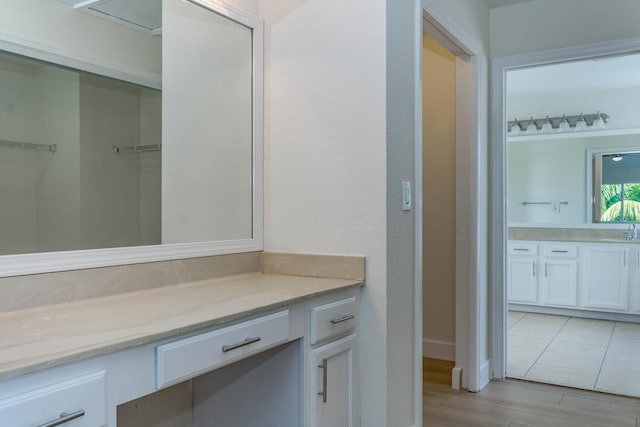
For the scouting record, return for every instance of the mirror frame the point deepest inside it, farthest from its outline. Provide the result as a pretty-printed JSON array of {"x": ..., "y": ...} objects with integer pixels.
[{"x": 46, "y": 262}]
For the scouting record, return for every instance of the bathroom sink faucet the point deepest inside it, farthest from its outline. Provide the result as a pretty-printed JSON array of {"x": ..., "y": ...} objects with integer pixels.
[{"x": 632, "y": 232}]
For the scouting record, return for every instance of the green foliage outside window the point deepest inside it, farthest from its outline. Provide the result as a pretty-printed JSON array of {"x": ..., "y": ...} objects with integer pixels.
[{"x": 614, "y": 196}]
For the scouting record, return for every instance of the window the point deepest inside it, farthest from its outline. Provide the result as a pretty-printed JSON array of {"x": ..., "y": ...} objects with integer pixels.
[{"x": 616, "y": 187}]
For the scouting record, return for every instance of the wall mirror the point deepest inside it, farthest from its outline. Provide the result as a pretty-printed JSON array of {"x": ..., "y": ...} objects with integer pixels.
[
  {"x": 567, "y": 121},
  {"x": 131, "y": 131}
]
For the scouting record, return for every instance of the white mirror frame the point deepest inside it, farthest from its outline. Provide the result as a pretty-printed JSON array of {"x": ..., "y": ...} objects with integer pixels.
[
  {"x": 44, "y": 262},
  {"x": 498, "y": 167}
]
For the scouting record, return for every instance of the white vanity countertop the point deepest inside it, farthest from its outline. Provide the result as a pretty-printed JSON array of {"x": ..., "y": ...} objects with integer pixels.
[{"x": 43, "y": 337}]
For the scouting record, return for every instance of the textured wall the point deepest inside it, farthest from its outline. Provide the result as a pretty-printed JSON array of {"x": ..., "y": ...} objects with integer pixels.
[{"x": 325, "y": 152}]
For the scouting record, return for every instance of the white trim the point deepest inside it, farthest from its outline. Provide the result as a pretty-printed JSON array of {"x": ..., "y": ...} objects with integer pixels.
[
  {"x": 442, "y": 350},
  {"x": 46, "y": 262},
  {"x": 485, "y": 374},
  {"x": 470, "y": 332},
  {"x": 15, "y": 265},
  {"x": 418, "y": 210},
  {"x": 499, "y": 169}
]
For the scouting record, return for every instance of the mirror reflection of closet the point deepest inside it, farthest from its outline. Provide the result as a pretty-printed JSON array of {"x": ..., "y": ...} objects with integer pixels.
[
  {"x": 98, "y": 150},
  {"x": 68, "y": 178}
]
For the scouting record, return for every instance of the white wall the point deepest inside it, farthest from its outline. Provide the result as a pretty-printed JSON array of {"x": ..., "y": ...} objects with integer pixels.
[
  {"x": 548, "y": 24},
  {"x": 325, "y": 153},
  {"x": 547, "y": 171},
  {"x": 470, "y": 15}
]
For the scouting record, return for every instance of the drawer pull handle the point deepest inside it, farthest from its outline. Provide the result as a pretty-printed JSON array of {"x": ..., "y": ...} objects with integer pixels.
[
  {"x": 342, "y": 319},
  {"x": 521, "y": 249},
  {"x": 64, "y": 418},
  {"x": 245, "y": 342},
  {"x": 323, "y": 393},
  {"x": 559, "y": 252}
]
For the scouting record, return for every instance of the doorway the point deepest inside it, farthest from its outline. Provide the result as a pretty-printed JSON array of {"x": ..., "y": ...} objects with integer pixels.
[
  {"x": 570, "y": 300},
  {"x": 467, "y": 344}
]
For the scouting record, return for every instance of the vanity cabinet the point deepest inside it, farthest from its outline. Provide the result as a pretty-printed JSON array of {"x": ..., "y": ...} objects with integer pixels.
[
  {"x": 251, "y": 359},
  {"x": 574, "y": 275},
  {"x": 559, "y": 275},
  {"x": 522, "y": 273},
  {"x": 335, "y": 379},
  {"x": 606, "y": 277},
  {"x": 333, "y": 365}
]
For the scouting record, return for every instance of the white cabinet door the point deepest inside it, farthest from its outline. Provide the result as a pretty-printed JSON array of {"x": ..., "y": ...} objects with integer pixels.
[
  {"x": 522, "y": 279},
  {"x": 560, "y": 282},
  {"x": 333, "y": 384},
  {"x": 606, "y": 277}
]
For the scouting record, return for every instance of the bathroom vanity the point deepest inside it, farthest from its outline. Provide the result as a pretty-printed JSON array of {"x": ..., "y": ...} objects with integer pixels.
[
  {"x": 255, "y": 349},
  {"x": 269, "y": 347},
  {"x": 599, "y": 277}
]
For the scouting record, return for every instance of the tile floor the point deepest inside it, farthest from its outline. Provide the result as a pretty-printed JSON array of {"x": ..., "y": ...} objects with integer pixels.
[{"x": 591, "y": 354}]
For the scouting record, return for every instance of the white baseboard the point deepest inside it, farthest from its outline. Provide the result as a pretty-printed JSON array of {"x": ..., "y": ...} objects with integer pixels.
[
  {"x": 456, "y": 378},
  {"x": 484, "y": 374},
  {"x": 442, "y": 350}
]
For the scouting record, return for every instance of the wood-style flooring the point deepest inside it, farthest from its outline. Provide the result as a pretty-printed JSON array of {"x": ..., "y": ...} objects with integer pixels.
[{"x": 517, "y": 403}]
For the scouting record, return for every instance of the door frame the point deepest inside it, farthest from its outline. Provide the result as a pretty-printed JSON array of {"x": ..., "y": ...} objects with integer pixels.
[
  {"x": 472, "y": 328},
  {"x": 498, "y": 224}
]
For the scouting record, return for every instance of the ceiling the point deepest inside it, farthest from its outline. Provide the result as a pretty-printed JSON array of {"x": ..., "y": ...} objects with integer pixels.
[{"x": 501, "y": 3}]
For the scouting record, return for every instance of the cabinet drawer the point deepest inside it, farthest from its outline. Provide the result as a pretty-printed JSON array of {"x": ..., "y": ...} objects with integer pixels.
[
  {"x": 332, "y": 319},
  {"x": 83, "y": 397},
  {"x": 190, "y": 357},
  {"x": 560, "y": 251},
  {"x": 516, "y": 248}
]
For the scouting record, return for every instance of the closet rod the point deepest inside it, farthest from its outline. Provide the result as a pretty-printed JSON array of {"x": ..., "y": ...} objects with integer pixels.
[{"x": 27, "y": 145}]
